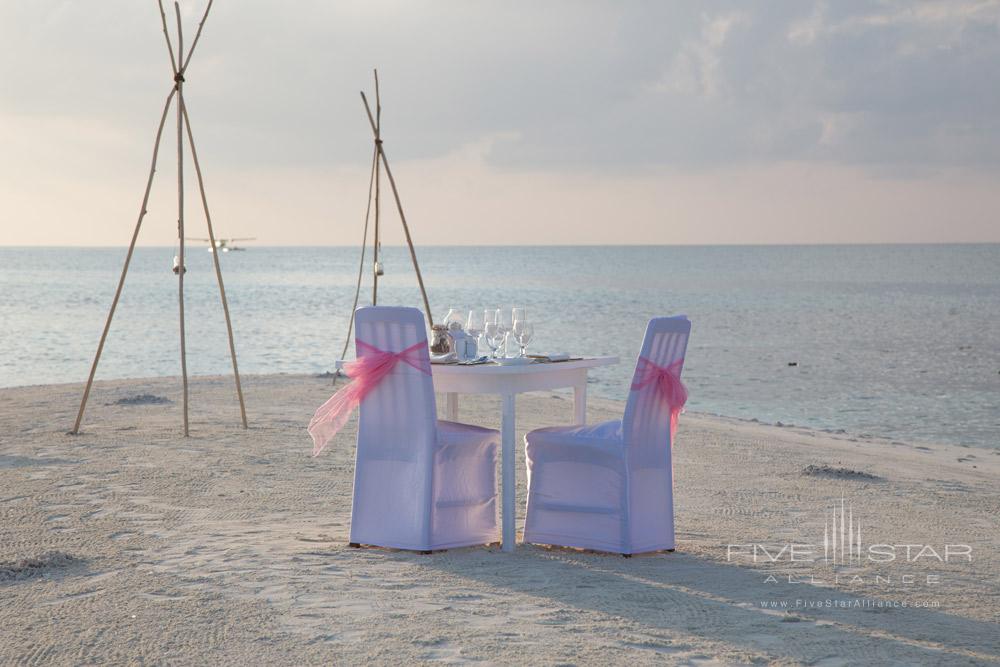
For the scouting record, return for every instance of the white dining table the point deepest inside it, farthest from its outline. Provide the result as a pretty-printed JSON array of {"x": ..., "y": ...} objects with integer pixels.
[{"x": 508, "y": 381}]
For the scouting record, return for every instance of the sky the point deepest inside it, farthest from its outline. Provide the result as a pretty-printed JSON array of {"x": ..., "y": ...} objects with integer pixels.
[{"x": 515, "y": 122}]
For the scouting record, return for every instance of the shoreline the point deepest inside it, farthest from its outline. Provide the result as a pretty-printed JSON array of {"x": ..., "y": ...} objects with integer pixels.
[
  {"x": 129, "y": 542},
  {"x": 834, "y": 433}
]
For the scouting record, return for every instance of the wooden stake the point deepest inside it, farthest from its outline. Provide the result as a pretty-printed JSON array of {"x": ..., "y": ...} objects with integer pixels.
[
  {"x": 378, "y": 196},
  {"x": 178, "y": 82},
  {"x": 215, "y": 258},
  {"x": 166, "y": 35},
  {"x": 128, "y": 260},
  {"x": 399, "y": 207},
  {"x": 197, "y": 36},
  {"x": 178, "y": 64},
  {"x": 361, "y": 268}
]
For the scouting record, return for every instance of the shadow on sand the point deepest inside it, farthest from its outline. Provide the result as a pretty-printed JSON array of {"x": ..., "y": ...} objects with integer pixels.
[{"x": 689, "y": 595}]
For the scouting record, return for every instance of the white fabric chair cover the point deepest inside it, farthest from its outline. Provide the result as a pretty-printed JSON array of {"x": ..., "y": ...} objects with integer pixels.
[
  {"x": 609, "y": 486},
  {"x": 419, "y": 483}
]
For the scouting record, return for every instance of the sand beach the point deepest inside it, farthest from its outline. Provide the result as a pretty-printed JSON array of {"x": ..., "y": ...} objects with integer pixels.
[
  {"x": 794, "y": 205},
  {"x": 129, "y": 544}
]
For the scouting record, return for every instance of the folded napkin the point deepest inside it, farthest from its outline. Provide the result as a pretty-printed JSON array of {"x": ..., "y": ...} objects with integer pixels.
[
  {"x": 448, "y": 358},
  {"x": 562, "y": 356}
]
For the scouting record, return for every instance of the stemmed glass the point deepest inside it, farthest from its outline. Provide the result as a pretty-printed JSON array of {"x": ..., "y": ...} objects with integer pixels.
[
  {"x": 492, "y": 331},
  {"x": 504, "y": 324},
  {"x": 522, "y": 331},
  {"x": 509, "y": 317}
]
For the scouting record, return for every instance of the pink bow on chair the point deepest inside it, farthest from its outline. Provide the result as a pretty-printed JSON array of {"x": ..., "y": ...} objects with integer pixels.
[
  {"x": 668, "y": 385},
  {"x": 367, "y": 371}
]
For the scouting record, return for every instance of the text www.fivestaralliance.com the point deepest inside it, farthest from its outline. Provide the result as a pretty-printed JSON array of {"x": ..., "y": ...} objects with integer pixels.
[{"x": 848, "y": 603}]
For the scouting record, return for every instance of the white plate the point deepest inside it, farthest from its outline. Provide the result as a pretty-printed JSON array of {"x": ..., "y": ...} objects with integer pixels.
[
  {"x": 449, "y": 358},
  {"x": 514, "y": 361}
]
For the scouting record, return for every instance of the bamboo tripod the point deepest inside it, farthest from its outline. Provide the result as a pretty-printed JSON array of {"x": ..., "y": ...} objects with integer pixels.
[
  {"x": 178, "y": 64},
  {"x": 379, "y": 161}
]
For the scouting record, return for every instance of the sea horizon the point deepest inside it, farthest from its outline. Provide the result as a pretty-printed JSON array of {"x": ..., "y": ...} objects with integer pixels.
[
  {"x": 764, "y": 344},
  {"x": 255, "y": 244}
]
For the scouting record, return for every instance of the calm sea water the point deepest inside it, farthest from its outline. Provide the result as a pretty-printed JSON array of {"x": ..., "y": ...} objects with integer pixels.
[{"x": 895, "y": 341}]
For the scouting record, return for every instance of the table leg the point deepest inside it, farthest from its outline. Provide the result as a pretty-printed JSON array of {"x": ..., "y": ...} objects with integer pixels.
[
  {"x": 451, "y": 407},
  {"x": 508, "y": 468},
  {"x": 580, "y": 402}
]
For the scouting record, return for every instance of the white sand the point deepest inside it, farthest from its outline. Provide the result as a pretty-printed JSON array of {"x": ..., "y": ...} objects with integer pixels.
[{"x": 129, "y": 544}]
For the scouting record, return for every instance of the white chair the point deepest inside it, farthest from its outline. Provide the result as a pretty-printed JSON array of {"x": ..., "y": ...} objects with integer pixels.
[
  {"x": 609, "y": 486},
  {"x": 419, "y": 483}
]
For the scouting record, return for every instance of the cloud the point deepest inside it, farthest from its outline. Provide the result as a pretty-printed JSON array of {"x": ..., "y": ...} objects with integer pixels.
[
  {"x": 695, "y": 70},
  {"x": 584, "y": 84},
  {"x": 570, "y": 94}
]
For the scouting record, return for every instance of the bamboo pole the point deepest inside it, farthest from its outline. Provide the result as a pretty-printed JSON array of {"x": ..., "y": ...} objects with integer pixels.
[
  {"x": 197, "y": 36},
  {"x": 178, "y": 64},
  {"x": 399, "y": 207},
  {"x": 128, "y": 260},
  {"x": 179, "y": 83},
  {"x": 361, "y": 267},
  {"x": 166, "y": 35},
  {"x": 215, "y": 258},
  {"x": 378, "y": 196}
]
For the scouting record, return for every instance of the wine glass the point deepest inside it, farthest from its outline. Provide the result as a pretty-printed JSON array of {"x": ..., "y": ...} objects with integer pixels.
[
  {"x": 506, "y": 317},
  {"x": 474, "y": 323},
  {"x": 515, "y": 315},
  {"x": 492, "y": 332},
  {"x": 522, "y": 331},
  {"x": 504, "y": 324},
  {"x": 453, "y": 320},
  {"x": 489, "y": 315}
]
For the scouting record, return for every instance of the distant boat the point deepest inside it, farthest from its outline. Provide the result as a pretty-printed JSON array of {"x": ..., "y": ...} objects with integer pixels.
[{"x": 224, "y": 245}]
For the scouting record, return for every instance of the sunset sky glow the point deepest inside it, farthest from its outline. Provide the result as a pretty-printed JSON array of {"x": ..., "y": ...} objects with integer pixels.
[{"x": 512, "y": 123}]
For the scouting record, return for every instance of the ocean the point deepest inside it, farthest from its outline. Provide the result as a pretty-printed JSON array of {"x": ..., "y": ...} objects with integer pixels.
[{"x": 894, "y": 341}]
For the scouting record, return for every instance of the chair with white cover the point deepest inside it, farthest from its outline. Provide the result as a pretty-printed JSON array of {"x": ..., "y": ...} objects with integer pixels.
[
  {"x": 609, "y": 486},
  {"x": 419, "y": 483}
]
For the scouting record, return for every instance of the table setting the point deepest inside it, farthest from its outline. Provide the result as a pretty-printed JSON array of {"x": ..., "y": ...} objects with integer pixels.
[{"x": 462, "y": 340}]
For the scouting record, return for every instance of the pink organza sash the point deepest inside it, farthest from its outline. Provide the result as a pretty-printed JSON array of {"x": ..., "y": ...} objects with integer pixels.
[
  {"x": 367, "y": 371},
  {"x": 667, "y": 380}
]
